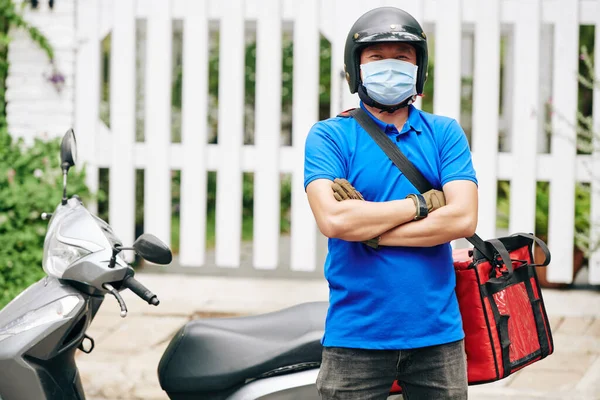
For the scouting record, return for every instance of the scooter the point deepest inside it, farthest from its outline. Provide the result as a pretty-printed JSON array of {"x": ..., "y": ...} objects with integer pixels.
[{"x": 274, "y": 356}]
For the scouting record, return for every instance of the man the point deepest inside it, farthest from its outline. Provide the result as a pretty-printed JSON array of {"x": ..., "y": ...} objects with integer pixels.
[{"x": 393, "y": 312}]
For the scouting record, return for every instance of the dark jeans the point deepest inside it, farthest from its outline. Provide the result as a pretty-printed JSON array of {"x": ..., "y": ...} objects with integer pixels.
[{"x": 435, "y": 372}]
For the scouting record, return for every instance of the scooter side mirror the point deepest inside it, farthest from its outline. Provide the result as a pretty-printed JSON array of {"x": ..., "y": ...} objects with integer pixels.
[
  {"x": 152, "y": 249},
  {"x": 68, "y": 150}
]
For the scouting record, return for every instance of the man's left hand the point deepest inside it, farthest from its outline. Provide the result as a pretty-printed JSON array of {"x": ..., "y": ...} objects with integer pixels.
[{"x": 435, "y": 199}]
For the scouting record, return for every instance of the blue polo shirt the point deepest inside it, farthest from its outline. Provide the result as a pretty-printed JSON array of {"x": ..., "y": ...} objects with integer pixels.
[{"x": 392, "y": 297}]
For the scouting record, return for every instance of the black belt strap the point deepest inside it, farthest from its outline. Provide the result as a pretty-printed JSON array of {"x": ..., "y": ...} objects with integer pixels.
[
  {"x": 502, "y": 331},
  {"x": 540, "y": 326}
]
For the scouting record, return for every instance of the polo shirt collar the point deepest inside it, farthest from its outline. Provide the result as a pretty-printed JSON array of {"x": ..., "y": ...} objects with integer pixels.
[{"x": 413, "y": 122}]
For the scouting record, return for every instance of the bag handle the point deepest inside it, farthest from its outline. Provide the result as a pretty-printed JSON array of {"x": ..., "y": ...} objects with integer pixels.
[
  {"x": 501, "y": 249},
  {"x": 542, "y": 246},
  {"x": 420, "y": 182}
]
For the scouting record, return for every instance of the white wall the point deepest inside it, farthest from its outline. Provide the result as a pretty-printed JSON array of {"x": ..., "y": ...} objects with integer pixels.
[{"x": 34, "y": 106}]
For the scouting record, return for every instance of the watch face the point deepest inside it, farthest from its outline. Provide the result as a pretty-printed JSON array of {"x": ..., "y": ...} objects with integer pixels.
[{"x": 421, "y": 205}]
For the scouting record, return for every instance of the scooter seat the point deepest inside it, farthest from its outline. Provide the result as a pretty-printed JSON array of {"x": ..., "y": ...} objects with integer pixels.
[{"x": 212, "y": 355}]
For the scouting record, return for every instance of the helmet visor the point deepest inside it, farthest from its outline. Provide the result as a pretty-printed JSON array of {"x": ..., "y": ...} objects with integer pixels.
[{"x": 403, "y": 34}]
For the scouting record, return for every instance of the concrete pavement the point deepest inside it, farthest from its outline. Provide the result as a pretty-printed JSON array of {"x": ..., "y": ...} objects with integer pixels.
[{"x": 123, "y": 365}]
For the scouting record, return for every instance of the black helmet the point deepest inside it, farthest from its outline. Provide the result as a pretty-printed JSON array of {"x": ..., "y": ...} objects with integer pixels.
[{"x": 384, "y": 24}]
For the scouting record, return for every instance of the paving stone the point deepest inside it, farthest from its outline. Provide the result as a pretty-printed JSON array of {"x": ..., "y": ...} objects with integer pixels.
[
  {"x": 564, "y": 361},
  {"x": 122, "y": 378},
  {"x": 480, "y": 392},
  {"x": 572, "y": 302},
  {"x": 545, "y": 381},
  {"x": 505, "y": 395},
  {"x": 146, "y": 363},
  {"x": 520, "y": 396},
  {"x": 594, "y": 328},
  {"x": 184, "y": 295},
  {"x": 121, "y": 391},
  {"x": 579, "y": 344},
  {"x": 91, "y": 377},
  {"x": 137, "y": 333},
  {"x": 101, "y": 326},
  {"x": 143, "y": 392},
  {"x": 575, "y": 325},
  {"x": 492, "y": 391},
  {"x": 555, "y": 321},
  {"x": 124, "y": 363},
  {"x": 105, "y": 379},
  {"x": 591, "y": 380}
]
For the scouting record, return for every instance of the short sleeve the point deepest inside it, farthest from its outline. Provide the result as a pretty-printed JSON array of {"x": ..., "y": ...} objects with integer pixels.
[
  {"x": 323, "y": 157},
  {"x": 455, "y": 156}
]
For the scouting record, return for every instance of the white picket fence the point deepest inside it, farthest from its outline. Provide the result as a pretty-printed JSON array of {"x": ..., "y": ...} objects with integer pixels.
[{"x": 467, "y": 37}]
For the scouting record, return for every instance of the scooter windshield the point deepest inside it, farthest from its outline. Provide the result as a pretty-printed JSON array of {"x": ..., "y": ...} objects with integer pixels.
[{"x": 72, "y": 234}]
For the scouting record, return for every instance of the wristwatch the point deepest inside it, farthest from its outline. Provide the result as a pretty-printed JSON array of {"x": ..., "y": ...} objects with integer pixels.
[{"x": 420, "y": 204}]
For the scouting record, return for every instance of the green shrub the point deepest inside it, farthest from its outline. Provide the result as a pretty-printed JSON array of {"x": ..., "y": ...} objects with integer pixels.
[{"x": 30, "y": 184}]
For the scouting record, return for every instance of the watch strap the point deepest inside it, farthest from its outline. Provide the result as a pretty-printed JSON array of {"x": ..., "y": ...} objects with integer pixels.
[{"x": 420, "y": 204}]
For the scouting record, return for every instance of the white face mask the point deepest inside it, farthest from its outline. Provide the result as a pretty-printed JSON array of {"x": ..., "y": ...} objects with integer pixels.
[{"x": 390, "y": 81}]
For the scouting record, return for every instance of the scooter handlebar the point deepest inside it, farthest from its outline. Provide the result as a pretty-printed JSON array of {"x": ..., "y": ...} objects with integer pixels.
[{"x": 136, "y": 287}]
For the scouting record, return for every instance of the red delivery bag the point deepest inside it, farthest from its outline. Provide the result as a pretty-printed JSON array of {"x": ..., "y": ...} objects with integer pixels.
[{"x": 504, "y": 318}]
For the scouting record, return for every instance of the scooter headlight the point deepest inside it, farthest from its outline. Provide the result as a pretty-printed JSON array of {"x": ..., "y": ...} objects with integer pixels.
[
  {"x": 58, "y": 256},
  {"x": 60, "y": 309}
]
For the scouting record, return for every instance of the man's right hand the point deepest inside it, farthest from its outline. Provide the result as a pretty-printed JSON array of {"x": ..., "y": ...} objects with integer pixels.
[{"x": 343, "y": 190}]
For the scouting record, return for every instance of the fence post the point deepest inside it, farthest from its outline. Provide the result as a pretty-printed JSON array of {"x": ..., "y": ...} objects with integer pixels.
[
  {"x": 347, "y": 12},
  {"x": 448, "y": 34},
  {"x": 267, "y": 135},
  {"x": 524, "y": 126},
  {"x": 87, "y": 91},
  {"x": 192, "y": 249},
  {"x": 486, "y": 87},
  {"x": 122, "y": 123},
  {"x": 305, "y": 113},
  {"x": 562, "y": 186},
  {"x": 230, "y": 137},
  {"x": 157, "y": 186},
  {"x": 594, "y": 261}
]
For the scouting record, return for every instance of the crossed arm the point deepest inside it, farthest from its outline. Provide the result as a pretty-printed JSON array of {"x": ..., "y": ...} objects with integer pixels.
[{"x": 357, "y": 220}]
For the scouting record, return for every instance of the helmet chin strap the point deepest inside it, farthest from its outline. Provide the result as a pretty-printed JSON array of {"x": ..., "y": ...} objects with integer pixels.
[{"x": 362, "y": 93}]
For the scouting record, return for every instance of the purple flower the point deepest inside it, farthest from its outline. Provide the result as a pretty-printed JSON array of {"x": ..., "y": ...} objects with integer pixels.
[{"x": 56, "y": 78}]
